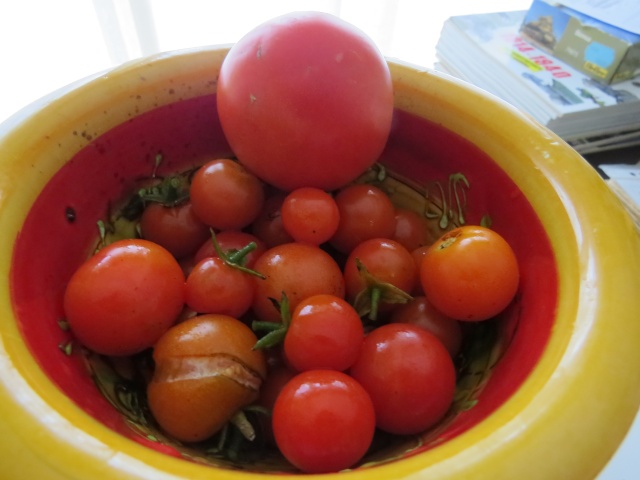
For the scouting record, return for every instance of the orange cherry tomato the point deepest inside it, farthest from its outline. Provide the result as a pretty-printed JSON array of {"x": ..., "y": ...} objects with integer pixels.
[{"x": 471, "y": 273}]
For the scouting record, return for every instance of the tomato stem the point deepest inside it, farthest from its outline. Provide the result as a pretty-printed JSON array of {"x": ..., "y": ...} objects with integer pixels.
[
  {"x": 367, "y": 302},
  {"x": 236, "y": 258},
  {"x": 275, "y": 331},
  {"x": 375, "y": 301}
]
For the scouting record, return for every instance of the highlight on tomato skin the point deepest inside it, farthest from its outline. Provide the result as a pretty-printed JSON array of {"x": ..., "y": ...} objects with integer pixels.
[{"x": 471, "y": 273}]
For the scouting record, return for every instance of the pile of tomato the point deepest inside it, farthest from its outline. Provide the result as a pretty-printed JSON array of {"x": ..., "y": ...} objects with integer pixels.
[{"x": 275, "y": 279}]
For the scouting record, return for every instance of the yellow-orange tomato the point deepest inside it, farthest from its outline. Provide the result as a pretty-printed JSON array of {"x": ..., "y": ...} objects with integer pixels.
[
  {"x": 471, "y": 273},
  {"x": 206, "y": 371}
]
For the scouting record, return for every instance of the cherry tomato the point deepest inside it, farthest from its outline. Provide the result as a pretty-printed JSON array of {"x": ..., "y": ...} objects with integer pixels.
[
  {"x": 323, "y": 421},
  {"x": 387, "y": 260},
  {"x": 421, "y": 313},
  {"x": 410, "y": 229},
  {"x": 325, "y": 333},
  {"x": 471, "y": 273},
  {"x": 123, "y": 298},
  {"x": 301, "y": 112},
  {"x": 268, "y": 226},
  {"x": 178, "y": 229},
  {"x": 225, "y": 195},
  {"x": 297, "y": 269},
  {"x": 409, "y": 375},
  {"x": 229, "y": 240},
  {"x": 277, "y": 378},
  {"x": 203, "y": 362},
  {"x": 310, "y": 215},
  {"x": 216, "y": 287},
  {"x": 365, "y": 212}
]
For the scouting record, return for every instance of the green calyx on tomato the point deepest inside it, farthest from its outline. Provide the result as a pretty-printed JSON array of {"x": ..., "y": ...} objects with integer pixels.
[
  {"x": 376, "y": 292},
  {"x": 169, "y": 192},
  {"x": 275, "y": 331},
  {"x": 236, "y": 258}
]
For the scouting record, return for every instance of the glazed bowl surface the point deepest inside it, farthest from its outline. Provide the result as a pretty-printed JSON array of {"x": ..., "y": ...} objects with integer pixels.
[{"x": 549, "y": 393}]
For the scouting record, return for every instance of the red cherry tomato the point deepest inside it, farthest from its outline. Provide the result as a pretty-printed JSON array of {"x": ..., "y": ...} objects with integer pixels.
[
  {"x": 178, "y": 229},
  {"x": 310, "y": 215},
  {"x": 385, "y": 259},
  {"x": 409, "y": 375},
  {"x": 215, "y": 287},
  {"x": 268, "y": 226},
  {"x": 410, "y": 229},
  {"x": 471, "y": 273},
  {"x": 302, "y": 112},
  {"x": 325, "y": 333},
  {"x": 277, "y": 378},
  {"x": 323, "y": 421},
  {"x": 421, "y": 313},
  {"x": 365, "y": 212},
  {"x": 300, "y": 271},
  {"x": 122, "y": 299},
  {"x": 225, "y": 195}
]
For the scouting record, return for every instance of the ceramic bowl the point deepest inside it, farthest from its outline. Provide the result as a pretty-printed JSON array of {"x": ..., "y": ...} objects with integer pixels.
[{"x": 548, "y": 392}]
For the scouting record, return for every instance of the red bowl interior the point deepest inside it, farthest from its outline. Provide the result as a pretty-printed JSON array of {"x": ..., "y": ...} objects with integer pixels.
[{"x": 60, "y": 232}]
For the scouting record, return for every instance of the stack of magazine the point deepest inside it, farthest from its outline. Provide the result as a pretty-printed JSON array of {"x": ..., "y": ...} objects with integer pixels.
[{"x": 489, "y": 51}]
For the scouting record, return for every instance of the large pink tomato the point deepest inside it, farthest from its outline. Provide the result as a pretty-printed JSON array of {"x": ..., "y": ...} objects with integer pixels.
[{"x": 305, "y": 99}]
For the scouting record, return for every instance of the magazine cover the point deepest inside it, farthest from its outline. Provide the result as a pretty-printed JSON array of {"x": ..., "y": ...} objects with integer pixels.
[{"x": 567, "y": 89}]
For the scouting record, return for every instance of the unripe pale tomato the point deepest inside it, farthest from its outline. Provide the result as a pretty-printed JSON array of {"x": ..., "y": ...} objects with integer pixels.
[{"x": 206, "y": 371}]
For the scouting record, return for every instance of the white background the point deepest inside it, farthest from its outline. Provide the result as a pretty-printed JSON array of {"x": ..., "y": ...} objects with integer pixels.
[{"x": 45, "y": 45}]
